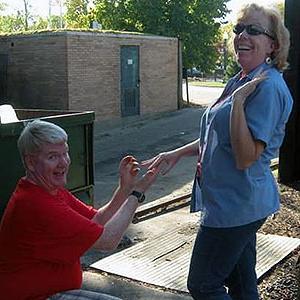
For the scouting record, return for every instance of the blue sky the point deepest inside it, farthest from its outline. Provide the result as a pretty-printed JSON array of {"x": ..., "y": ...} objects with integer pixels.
[{"x": 41, "y": 7}]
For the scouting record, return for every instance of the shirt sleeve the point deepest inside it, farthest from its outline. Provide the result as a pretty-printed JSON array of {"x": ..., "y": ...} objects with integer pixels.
[
  {"x": 83, "y": 209},
  {"x": 59, "y": 233},
  {"x": 263, "y": 111}
]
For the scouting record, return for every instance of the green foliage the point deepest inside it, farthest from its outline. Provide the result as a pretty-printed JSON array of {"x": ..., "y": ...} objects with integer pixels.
[
  {"x": 2, "y": 6},
  {"x": 77, "y": 15},
  {"x": 56, "y": 22},
  {"x": 11, "y": 23},
  {"x": 232, "y": 67},
  {"x": 39, "y": 23},
  {"x": 193, "y": 22},
  {"x": 280, "y": 8}
]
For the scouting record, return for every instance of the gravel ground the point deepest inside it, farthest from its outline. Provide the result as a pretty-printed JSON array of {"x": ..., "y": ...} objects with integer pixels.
[{"x": 283, "y": 282}]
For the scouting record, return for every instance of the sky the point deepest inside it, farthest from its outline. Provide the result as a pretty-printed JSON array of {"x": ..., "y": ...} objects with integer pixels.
[{"x": 41, "y": 7}]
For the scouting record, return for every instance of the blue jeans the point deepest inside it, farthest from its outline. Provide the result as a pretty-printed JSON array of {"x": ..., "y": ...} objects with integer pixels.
[
  {"x": 82, "y": 295},
  {"x": 224, "y": 257}
]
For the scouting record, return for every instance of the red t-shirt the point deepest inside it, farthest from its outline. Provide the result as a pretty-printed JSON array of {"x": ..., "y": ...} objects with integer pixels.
[{"x": 41, "y": 240}]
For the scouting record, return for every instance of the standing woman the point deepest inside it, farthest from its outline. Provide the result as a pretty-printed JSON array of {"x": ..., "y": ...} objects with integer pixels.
[{"x": 240, "y": 133}]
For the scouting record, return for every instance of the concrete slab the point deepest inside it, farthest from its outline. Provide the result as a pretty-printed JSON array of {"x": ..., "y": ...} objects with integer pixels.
[
  {"x": 164, "y": 261},
  {"x": 128, "y": 289}
]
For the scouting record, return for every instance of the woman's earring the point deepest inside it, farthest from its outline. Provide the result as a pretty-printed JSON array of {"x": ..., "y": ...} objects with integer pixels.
[{"x": 268, "y": 60}]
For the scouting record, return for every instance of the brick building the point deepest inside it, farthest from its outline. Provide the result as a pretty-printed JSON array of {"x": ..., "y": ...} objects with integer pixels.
[{"x": 114, "y": 74}]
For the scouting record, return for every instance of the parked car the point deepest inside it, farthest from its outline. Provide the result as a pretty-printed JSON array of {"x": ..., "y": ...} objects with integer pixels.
[{"x": 194, "y": 72}]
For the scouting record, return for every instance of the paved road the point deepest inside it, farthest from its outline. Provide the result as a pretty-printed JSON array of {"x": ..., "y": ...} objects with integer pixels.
[{"x": 201, "y": 95}]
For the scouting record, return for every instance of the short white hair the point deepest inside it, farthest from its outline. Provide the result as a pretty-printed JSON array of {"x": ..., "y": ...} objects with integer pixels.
[{"x": 36, "y": 134}]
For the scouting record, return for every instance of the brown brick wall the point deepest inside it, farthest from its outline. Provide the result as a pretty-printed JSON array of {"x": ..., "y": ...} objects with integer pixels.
[
  {"x": 94, "y": 73},
  {"x": 36, "y": 71},
  {"x": 159, "y": 69},
  {"x": 81, "y": 71}
]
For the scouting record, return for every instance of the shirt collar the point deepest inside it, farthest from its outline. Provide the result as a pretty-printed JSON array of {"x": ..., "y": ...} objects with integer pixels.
[{"x": 255, "y": 72}]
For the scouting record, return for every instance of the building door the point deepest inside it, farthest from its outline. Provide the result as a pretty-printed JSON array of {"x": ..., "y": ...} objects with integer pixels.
[
  {"x": 130, "y": 83},
  {"x": 3, "y": 78}
]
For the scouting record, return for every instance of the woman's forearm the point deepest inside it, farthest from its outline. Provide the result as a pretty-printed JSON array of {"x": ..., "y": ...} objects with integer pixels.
[
  {"x": 190, "y": 149},
  {"x": 246, "y": 150}
]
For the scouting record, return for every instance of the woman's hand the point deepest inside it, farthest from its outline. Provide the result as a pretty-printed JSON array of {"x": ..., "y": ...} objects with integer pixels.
[
  {"x": 164, "y": 162},
  {"x": 245, "y": 90},
  {"x": 246, "y": 150},
  {"x": 143, "y": 183}
]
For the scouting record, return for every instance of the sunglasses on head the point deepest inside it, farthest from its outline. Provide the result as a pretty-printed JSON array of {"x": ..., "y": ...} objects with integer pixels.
[{"x": 252, "y": 30}]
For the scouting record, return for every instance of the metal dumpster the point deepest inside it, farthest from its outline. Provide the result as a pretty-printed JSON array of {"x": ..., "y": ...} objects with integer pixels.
[{"x": 78, "y": 125}]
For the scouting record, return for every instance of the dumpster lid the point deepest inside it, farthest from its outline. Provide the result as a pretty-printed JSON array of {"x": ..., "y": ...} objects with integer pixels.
[{"x": 7, "y": 114}]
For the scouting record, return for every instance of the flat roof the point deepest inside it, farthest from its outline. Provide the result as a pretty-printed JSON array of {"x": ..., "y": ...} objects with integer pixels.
[{"x": 91, "y": 32}]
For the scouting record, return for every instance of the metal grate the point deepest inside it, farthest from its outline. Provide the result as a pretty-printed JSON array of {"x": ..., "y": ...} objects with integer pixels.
[{"x": 164, "y": 261}]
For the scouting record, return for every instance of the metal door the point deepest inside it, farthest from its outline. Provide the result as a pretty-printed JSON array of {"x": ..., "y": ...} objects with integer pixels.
[{"x": 130, "y": 87}]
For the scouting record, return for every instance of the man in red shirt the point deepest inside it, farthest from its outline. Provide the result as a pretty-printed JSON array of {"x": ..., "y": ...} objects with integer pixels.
[{"x": 45, "y": 229}]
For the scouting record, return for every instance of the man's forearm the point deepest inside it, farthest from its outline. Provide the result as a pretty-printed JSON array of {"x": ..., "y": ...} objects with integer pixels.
[
  {"x": 106, "y": 212},
  {"x": 117, "y": 225}
]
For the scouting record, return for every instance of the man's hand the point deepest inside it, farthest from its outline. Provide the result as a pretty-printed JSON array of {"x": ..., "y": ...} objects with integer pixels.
[
  {"x": 128, "y": 170},
  {"x": 129, "y": 180}
]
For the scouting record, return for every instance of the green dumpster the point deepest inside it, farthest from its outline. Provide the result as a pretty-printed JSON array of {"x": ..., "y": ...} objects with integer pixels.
[{"x": 78, "y": 125}]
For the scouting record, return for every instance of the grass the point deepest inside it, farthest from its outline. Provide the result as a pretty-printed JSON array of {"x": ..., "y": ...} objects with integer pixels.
[{"x": 206, "y": 83}]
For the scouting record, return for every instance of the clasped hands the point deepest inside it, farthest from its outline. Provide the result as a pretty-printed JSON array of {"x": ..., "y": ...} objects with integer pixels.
[{"x": 129, "y": 170}]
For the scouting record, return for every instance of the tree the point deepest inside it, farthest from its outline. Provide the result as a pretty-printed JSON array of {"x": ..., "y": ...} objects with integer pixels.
[
  {"x": 2, "y": 6},
  {"x": 77, "y": 15},
  {"x": 40, "y": 23},
  {"x": 17, "y": 22},
  {"x": 11, "y": 23},
  {"x": 280, "y": 8},
  {"x": 193, "y": 22}
]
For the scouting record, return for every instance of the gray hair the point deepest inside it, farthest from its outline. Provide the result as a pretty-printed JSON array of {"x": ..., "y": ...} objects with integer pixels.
[{"x": 36, "y": 134}]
